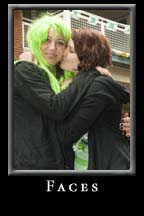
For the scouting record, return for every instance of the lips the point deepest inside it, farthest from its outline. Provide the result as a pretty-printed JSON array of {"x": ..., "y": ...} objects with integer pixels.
[{"x": 51, "y": 55}]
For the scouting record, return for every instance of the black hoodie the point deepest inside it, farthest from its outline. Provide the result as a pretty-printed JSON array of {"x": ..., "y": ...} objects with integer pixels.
[
  {"x": 99, "y": 113},
  {"x": 36, "y": 107}
]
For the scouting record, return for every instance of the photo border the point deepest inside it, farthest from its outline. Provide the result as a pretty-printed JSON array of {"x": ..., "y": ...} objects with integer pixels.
[{"x": 132, "y": 8}]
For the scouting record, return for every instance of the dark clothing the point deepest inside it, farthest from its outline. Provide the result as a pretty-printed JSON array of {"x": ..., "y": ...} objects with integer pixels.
[
  {"x": 99, "y": 113},
  {"x": 91, "y": 103},
  {"x": 36, "y": 144}
]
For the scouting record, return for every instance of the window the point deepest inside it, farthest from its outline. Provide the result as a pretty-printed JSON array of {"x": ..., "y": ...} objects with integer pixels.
[{"x": 25, "y": 29}]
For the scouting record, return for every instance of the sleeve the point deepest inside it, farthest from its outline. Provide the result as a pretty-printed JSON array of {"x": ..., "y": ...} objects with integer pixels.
[
  {"x": 93, "y": 104},
  {"x": 35, "y": 88}
]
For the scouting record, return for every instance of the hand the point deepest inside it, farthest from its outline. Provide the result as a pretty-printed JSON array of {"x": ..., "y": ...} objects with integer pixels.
[
  {"x": 125, "y": 125},
  {"x": 104, "y": 71},
  {"x": 28, "y": 56}
]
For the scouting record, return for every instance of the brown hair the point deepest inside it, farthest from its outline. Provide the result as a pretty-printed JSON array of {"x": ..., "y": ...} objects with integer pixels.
[{"x": 92, "y": 48}]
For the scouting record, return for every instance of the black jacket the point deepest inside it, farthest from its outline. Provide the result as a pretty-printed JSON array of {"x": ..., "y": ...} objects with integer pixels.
[
  {"x": 99, "y": 113},
  {"x": 92, "y": 102},
  {"x": 36, "y": 143}
]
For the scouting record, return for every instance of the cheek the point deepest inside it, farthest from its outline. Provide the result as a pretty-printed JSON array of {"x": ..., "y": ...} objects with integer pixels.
[
  {"x": 43, "y": 50},
  {"x": 44, "y": 47},
  {"x": 61, "y": 51},
  {"x": 60, "y": 55},
  {"x": 68, "y": 61},
  {"x": 74, "y": 61}
]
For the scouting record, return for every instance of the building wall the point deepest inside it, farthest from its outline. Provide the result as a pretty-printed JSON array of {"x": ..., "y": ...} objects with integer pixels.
[
  {"x": 121, "y": 73},
  {"x": 18, "y": 49}
]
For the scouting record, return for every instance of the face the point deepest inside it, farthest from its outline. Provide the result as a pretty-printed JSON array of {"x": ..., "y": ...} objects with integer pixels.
[
  {"x": 53, "y": 49},
  {"x": 70, "y": 60}
]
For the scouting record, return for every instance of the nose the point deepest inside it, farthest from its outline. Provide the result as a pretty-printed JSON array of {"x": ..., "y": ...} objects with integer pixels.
[{"x": 52, "y": 45}]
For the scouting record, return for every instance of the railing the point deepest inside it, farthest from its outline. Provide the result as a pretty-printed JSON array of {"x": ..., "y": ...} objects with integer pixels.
[{"x": 117, "y": 33}]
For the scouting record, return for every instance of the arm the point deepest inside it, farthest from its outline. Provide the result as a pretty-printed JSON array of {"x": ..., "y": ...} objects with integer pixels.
[
  {"x": 28, "y": 56},
  {"x": 35, "y": 88},
  {"x": 93, "y": 104}
]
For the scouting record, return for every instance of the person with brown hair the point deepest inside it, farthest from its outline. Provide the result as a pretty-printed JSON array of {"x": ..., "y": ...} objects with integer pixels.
[{"x": 99, "y": 111}]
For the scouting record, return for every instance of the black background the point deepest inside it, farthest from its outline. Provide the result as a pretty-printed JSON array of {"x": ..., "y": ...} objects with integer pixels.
[{"x": 111, "y": 185}]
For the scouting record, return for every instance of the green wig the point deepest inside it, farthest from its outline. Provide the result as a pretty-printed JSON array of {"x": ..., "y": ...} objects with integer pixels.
[{"x": 37, "y": 35}]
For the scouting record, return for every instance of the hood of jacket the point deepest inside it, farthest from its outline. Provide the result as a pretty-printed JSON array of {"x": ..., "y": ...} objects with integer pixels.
[{"x": 120, "y": 92}]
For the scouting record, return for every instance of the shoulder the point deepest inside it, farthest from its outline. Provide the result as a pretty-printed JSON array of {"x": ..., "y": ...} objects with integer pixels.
[
  {"x": 108, "y": 86},
  {"x": 23, "y": 65},
  {"x": 28, "y": 69},
  {"x": 102, "y": 82},
  {"x": 103, "y": 79},
  {"x": 106, "y": 82}
]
